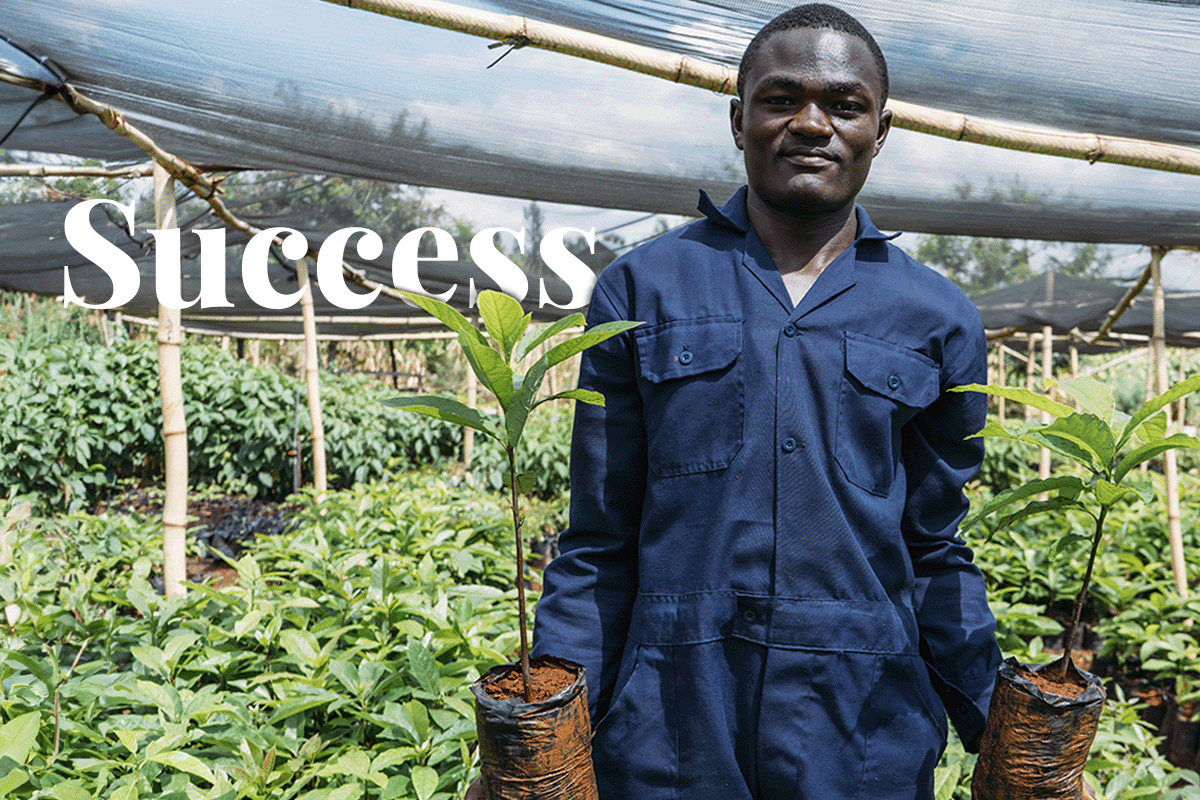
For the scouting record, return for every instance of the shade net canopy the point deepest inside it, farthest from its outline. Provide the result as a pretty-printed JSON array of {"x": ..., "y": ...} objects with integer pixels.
[
  {"x": 1068, "y": 304},
  {"x": 310, "y": 86}
]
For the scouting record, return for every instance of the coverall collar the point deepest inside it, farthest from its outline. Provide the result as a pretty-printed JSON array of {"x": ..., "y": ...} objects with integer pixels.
[
  {"x": 836, "y": 278},
  {"x": 734, "y": 215}
]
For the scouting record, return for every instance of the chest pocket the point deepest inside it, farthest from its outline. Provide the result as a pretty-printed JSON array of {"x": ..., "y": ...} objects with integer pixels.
[
  {"x": 694, "y": 394},
  {"x": 883, "y": 387}
]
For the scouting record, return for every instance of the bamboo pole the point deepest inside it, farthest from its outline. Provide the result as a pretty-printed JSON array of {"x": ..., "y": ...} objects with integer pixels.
[
  {"x": 1029, "y": 373},
  {"x": 56, "y": 171},
  {"x": 311, "y": 379},
  {"x": 170, "y": 383},
  {"x": 472, "y": 402},
  {"x": 1161, "y": 381},
  {"x": 1125, "y": 302},
  {"x": 1181, "y": 413},
  {"x": 1047, "y": 373},
  {"x": 524, "y": 32},
  {"x": 1001, "y": 368}
]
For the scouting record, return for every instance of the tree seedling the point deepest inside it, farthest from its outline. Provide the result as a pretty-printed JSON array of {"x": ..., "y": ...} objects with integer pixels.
[
  {"x": 1105, "y": 442},
  {"x": 494, "y": 359}
]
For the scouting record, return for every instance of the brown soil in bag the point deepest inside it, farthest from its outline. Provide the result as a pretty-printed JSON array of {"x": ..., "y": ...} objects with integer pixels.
[
  {"x": 539, "y": 750},
  {"x": 1036, "y": 741},
  {"x": 545, "y": 681}
]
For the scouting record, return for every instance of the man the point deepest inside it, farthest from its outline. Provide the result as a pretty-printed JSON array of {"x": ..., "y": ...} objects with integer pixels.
[{"x": 762, "y": 573}]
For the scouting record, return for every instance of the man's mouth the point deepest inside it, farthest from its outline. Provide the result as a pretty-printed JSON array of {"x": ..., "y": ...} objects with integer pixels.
[{"x": 806, "y": 157}]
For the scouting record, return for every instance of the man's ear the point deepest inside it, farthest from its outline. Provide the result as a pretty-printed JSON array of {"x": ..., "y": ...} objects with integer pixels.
[
  {"x": 735, "y": 120},
  {"x": 885, "y": 125}
]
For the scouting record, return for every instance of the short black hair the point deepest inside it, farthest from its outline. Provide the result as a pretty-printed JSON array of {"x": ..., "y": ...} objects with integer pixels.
[{"x": 813, "y": 15}]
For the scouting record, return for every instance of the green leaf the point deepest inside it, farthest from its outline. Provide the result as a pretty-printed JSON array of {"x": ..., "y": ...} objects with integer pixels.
[
  {"x": 184, "y": 762},
  {"x": 424, "y": 667},
  {"x": 582, "y": 395},
  {"x": 36, "y": 667},
  {"x": 1090, "y": 433},
  {"x": 1152, "y": 449},
  {"x": 1064, "y": 483},
  {"x": 300, "y": 644},
  {"x": 994, "y": 428},
  {"x": 535, "y": 336},
  {"x": 490, "y": 367},
  {"x": 593, "y": 336},
  {"x": 443, "y": 408},
  {"x": 129, "y": 739},
  {"x": 448, "y": 316},
  {"x": 424, "y": 781},
  {"x": 946, "y": 780},
  {"x": 1038, "y": 401},
  {"x": 1109, "y": 493},
  {"x": 300, "y": 703},
  {"x": 503, "y": 318},
  {"x": 526, "y": 481},
  {"x": 1070, "y": 539},
  {"x": 14, "y": 779},
  {"x": 1066, "y": 447},
  {"x": 1156, "y": 404},
  {"x": 1153, "y": 428},
  {"x": 18, "y": 735},
  {"x": 127, "y": 792},
  {"x": 1092, "y": 395},
  {"x": 1040, "y": 507}
]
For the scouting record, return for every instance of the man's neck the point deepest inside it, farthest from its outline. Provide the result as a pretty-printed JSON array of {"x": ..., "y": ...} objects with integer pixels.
[{"x": 802, "y": 246}]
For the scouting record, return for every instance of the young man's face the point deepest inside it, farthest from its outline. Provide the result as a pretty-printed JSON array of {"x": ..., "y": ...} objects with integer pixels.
[{"x": 810, "y": 120}]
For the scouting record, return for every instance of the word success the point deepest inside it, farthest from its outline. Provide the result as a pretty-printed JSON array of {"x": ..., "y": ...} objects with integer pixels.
[{"x": 126, "y": 279}]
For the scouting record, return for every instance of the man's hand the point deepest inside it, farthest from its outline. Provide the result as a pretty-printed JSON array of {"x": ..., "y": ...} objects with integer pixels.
[{"x": 475, "y": 790}]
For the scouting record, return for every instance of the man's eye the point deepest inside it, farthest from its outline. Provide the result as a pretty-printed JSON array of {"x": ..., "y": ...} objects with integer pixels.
[
  {"x": 777, "y": 100},
  {"x": 848, "y": 106}
]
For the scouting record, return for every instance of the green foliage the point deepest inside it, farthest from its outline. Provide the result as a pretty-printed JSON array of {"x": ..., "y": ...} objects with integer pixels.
[
  {"x": 338, "y": 666},
  {"x": 77, "y": 417},
  {"x": 1093, "y": 438},
  {"x": 494, "y": 362}
]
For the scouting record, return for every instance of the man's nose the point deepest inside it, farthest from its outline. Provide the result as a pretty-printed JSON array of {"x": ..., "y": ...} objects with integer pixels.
[{"x": 811, "y": 122}]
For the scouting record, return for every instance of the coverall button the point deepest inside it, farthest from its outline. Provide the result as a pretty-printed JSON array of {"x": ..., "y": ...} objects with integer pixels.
[
  {"x": 685, "y": 357},
  {"x": 789, "y": 444},
  {"x": 894, "y": 381},
  {"x": 789, "y": 329},
  {"x": 749, "y": 615}
]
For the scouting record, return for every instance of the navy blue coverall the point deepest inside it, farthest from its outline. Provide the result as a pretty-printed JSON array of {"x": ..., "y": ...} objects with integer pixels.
[{"x": 762, "y": 573}]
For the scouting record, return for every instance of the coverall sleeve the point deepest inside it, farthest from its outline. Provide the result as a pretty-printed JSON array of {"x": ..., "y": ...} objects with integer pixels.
[
  {"x": 590, "y": 587},
  {"x": 956, "y": 626}
]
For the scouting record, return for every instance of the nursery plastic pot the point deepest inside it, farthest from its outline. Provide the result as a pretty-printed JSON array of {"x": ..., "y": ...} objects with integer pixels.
[
  {"x": 1036, "y": 742},
  {"x": 539, "y": 750}
]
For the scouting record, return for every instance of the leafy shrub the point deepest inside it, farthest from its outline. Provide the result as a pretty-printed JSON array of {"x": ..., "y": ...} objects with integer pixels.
[
  {"x": 339, "y": 664},
  {"x": 78, "y": 417}
]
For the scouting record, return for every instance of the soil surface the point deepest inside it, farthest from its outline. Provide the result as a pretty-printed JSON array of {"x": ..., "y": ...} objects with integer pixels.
[
  {"x": 545, "y": 681},
  {"x": 1070, "y": 686}
]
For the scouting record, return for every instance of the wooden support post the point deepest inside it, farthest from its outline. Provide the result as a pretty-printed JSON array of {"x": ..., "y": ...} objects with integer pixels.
[
  {"x": 1047, "y": 372},
  {"x": 1181, "y": 414},
  {"x": 1001, "y": 377},
  {"x": 311, "y": 378},
  {"x": 255, "y": 352},
  {"x": 1161, "y": 381},
  {"x": 1029, "y": 373},
  {"x": 170, "y": 382},
  {"x": 472, "y": 402}
]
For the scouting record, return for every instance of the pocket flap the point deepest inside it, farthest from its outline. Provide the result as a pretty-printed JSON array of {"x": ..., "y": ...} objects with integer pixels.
[
  {"x": 688, "y": 347},
  {"x": 893, "y": 371}
]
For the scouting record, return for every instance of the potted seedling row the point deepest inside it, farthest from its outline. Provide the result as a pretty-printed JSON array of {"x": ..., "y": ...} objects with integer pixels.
[
  {"x": 1043, "y": 719},
  {"x": 531, "y": 717}
]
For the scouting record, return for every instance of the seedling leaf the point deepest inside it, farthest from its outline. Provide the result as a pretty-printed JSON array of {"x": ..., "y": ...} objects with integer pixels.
[
  {"x": 503, "y": 318},
  {"x": 593, "y": 336},
  {"x": 1092, "y": 395},
  {"x": 582, "y": 395},
  {"x": 1040, "y": 402},
  {"x": 1177, "y": 391},
  {"x": 444, "y": 408},
  {"x": 535, "y": 336},
  {"x": 1067, "y": 483},
  {"x": 1152, "y": 449}
]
